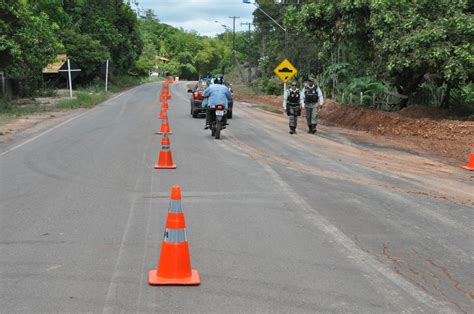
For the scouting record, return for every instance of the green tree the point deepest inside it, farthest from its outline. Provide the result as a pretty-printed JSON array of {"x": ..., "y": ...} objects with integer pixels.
[
  {"x": 88, "y": 53},
  {"x": 115, "y": 25},
  {"x": 27, "y": 43},
  {"x": 415, "y": 39},
  {"x": 147, "y": 61}
]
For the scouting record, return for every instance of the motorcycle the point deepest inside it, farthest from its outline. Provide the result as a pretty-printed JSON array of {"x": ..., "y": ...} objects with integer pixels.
[{"x": 218, "y": 121}]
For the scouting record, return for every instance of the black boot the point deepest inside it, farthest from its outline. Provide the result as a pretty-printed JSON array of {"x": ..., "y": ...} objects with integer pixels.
[
  {"x": 292, "y": 130},
  {"x": 313, "y": 129}
]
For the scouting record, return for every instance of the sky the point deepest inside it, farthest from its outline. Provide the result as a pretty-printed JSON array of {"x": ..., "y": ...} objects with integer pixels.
[{"x": 200, "y": 15}]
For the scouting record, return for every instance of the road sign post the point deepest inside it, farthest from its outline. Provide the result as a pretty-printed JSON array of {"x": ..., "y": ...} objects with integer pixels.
[
  {"x": 69, "y": 71},
  {"x": 2, "y": 74},
  {"x": 106, "y": 74},
  {"x": 69, "y": 77},
  {"x": 106, "y": 69}
]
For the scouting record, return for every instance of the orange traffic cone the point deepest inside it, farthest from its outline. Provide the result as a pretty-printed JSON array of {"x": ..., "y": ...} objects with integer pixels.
[
  {"x": 165, "y": 159},
  {"x": 165, "y": 127},
  {"x": 164, "y": 104},
  {"x": 166, "y": 95},
  {"x": 470, "y": 163},
  {"x": 174, "y": 265},
  {"x": 163, "y": 114}
]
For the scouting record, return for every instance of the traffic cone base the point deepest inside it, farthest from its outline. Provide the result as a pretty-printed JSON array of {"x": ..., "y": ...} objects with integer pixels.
[
  {"x": 174, "y": 266},
  {"x": 468, "y": 168},
  {"x": 192, "y": 280},
  {"x": 165, "y": 167}
]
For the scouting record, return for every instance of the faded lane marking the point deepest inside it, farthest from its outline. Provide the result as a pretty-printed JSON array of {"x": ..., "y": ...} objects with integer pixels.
[{"x": 59, "y": 125}]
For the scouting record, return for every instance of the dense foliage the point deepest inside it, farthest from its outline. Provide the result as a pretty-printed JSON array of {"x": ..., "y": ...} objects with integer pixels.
[
  {"x": 399, "y": 51},
  {"x": 404, "y": 45},
  {"x": 27, "y": 43},
  {"x": 33, "y": 32}
]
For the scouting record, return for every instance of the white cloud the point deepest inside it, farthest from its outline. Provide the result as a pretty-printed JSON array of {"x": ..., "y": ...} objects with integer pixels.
[{"x": 200, "y": 15}]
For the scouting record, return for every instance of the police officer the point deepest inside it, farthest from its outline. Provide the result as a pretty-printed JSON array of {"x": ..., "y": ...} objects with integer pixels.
[
  {"x": 292, "y": 105},
  {"x": 312, "y": 100}
]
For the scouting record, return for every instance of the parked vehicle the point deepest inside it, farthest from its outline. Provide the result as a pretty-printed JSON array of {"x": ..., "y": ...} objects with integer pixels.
[{"x": 197, "y": 99}]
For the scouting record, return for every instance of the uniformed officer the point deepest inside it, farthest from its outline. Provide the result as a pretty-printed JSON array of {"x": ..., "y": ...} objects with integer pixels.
[
  {"x": 312, "y": 101},
  {"x": 292, "y": 105}
]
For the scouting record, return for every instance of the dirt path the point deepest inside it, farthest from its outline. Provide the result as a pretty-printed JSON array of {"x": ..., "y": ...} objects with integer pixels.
[
  {"x": 33, "y": 123},
  {"x": 422, "y": 175},
  {"x": 418, "y": 129}
]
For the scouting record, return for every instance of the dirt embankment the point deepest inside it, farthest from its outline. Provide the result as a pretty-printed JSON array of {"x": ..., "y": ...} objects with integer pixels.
[{"x": 423, "y": 129}]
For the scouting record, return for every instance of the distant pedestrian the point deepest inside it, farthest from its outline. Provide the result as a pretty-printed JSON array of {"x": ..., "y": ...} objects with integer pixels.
[
  {"x": 312, "y": 100},
  {"x": 292, "y": 105}
]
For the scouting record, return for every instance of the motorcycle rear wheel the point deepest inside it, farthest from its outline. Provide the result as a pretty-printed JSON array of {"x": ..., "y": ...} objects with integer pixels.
[
  {"x": 213, "y": 129},
  {"x": 218, "y": 129}
]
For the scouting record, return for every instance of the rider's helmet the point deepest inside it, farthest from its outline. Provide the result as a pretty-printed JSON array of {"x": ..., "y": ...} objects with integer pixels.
[{"x": 219, "y": 79}]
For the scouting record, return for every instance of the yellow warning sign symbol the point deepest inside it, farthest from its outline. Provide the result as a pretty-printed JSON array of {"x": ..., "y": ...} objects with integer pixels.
[{"x": 285, "y": 70}]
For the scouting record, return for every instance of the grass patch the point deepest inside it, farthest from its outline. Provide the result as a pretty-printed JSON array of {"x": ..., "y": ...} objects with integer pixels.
[
  {"x": 83, "y": 100},
  {"x": 12, "y": 110},
  {"x": 85, "y": 97}
]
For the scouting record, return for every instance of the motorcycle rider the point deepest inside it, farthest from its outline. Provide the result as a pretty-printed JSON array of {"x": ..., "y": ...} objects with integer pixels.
[
  {"x": 312, "y": 101},
  {"x": 292, "y": 104},
  {"x": 218, "y": 94}
]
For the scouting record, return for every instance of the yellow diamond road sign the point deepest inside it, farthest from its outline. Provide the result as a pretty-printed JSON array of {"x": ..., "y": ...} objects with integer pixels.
[{"x": 285, "y": 70}]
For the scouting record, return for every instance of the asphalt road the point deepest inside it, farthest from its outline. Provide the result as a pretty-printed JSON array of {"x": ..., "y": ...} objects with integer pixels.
[{"x": 276, "y": 223}]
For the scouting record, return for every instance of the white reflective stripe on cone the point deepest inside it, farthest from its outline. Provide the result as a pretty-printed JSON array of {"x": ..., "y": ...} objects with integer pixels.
[
  {"x": 175, "y": 236},
  {"x": 175, "y": 207}
]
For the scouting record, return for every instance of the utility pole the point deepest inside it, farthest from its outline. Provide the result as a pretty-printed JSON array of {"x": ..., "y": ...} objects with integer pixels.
[
  {"x": 233, "y": 34},
  {"x": 249, "y": 42}
]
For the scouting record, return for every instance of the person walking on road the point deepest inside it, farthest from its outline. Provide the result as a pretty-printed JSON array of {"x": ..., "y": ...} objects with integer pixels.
[
  {"x": 292, "y": 105},
  {"x": 312, "y": 101}
]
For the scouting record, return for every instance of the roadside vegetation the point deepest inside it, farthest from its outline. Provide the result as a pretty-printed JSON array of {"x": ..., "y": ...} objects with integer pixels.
[
  {"x": 376, "y": 53},
  {"x": 379, "y": 54},
  {"x": 56, "y": 100}
]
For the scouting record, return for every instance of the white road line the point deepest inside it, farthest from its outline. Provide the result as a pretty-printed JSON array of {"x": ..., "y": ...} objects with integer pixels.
[
  {"x": 366, "y": 262},
  {"x": 41, "y": 134},
  {"x": 56, "y": 126}
]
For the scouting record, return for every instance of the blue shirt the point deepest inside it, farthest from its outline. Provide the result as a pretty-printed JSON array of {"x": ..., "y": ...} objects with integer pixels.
[{"x": 218, "y": 94}]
